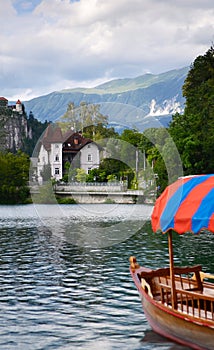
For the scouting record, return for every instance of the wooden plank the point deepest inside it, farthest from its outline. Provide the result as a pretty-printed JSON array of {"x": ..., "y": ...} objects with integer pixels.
[{"x": 166, "y": 271}]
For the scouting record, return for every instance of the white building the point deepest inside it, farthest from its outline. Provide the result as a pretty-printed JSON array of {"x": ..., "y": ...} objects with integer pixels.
[{"x": 55, "y": 150}]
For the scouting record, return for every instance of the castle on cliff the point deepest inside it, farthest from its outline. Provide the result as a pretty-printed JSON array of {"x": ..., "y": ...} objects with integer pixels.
[
  {"x": 18, "y": 107},
  {"x": 15, "y": 125}
]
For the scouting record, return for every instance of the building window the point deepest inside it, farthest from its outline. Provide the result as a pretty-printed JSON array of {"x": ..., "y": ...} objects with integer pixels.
[
  {"x": 89, "y": 146},
  {"x": 89, "y": 157},
  {"x": 57, "y": 158},
  {"x": 89, "y": 169},
  {"x": 56, "y": 146},
  {"x": 56, "y": 171}
]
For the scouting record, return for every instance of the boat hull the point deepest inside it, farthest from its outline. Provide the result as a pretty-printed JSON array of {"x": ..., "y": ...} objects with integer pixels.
[{"x": 174, "y": 325}]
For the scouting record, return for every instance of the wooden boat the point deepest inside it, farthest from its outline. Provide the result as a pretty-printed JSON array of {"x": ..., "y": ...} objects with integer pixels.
[{"x": 177, "y": 301}]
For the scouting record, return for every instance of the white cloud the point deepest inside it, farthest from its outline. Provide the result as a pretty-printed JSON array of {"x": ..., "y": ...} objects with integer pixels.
[{"x": 73, "y": 42}]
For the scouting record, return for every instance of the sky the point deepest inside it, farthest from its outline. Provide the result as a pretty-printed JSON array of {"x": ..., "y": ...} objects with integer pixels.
[{"x": 50, "y": 45}]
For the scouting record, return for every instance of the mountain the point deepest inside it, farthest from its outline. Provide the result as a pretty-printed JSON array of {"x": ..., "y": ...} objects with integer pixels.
[{"x": 145, "y": 101}]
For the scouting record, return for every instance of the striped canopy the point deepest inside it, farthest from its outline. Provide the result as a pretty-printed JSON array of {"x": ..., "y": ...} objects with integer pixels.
[{"x": 186, "y": 206}]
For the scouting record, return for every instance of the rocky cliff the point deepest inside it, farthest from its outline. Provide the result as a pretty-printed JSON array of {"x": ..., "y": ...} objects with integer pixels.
[{"x": 14, "y": 130}]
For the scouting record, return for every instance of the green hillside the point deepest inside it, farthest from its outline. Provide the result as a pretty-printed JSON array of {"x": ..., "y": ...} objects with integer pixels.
[{"x": 125, "y": 101}]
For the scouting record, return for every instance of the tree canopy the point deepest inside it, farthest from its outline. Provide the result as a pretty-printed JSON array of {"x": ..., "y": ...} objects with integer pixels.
[
  {"x": 14, "y": 173},
  {"x": 86, "y": 118},
  {"x": 193, "y": 132}
]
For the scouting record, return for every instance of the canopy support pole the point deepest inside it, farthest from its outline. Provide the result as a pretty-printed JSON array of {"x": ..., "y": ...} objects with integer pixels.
[{"x": 172, "y": 276}]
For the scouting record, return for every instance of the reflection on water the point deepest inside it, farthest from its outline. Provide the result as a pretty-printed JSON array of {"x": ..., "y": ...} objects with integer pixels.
[
  {"x": 84, "y": 225},
  {"x": 55, "y": 294},
  {"x": 159, "y": 342},
  {"x": 94, "y": 226}
]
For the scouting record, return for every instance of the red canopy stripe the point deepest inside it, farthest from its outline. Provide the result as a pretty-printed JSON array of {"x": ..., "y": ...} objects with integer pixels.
[
  {"x": 211, "y": 224},
  {"x": 183, "y": 217}
]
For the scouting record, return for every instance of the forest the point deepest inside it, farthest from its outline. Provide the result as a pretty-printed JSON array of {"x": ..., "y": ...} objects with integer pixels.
[{"x": 185, "y": 147}]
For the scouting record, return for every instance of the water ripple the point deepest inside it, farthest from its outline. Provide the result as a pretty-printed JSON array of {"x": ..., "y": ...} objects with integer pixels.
[{"x": 56, "y": 295}]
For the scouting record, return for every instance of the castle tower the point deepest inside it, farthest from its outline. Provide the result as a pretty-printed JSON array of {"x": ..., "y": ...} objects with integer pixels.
[{"x": 19, "y": 107}]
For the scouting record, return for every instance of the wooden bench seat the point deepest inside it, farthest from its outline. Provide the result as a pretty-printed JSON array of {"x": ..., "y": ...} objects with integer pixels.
[{"x": 154, "y": 278}]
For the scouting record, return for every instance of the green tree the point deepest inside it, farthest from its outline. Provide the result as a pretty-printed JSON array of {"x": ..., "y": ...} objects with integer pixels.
[
  {"x": 70, "y": 119},
  {"x": 37, "y": 128},
  {"x": 100, "y": 131},
  {"x": 114, "y": 168},
  {"x": 193, "y": 132},
  {"x": 96, "y": 175},
  {"x": 90, "y": 116},
  {"x": 111, "y": 178},
  {"x": 14, "y": 172},
  {"x": 67, "y": 166},
  {"x": 81, "y": 175},
  {"x": 85, "y": 117},
  {"x": 132, "y": 137}
]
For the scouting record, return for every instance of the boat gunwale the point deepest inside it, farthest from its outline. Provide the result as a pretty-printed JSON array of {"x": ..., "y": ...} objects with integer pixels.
[{"x": 177, "y": 313}]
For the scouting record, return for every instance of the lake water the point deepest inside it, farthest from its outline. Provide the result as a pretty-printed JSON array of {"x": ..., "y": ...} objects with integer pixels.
[{"x": 65, "y": 281}]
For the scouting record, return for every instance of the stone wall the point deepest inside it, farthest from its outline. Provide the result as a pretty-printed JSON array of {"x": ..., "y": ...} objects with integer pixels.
[{"x": 92, "y": 187}]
